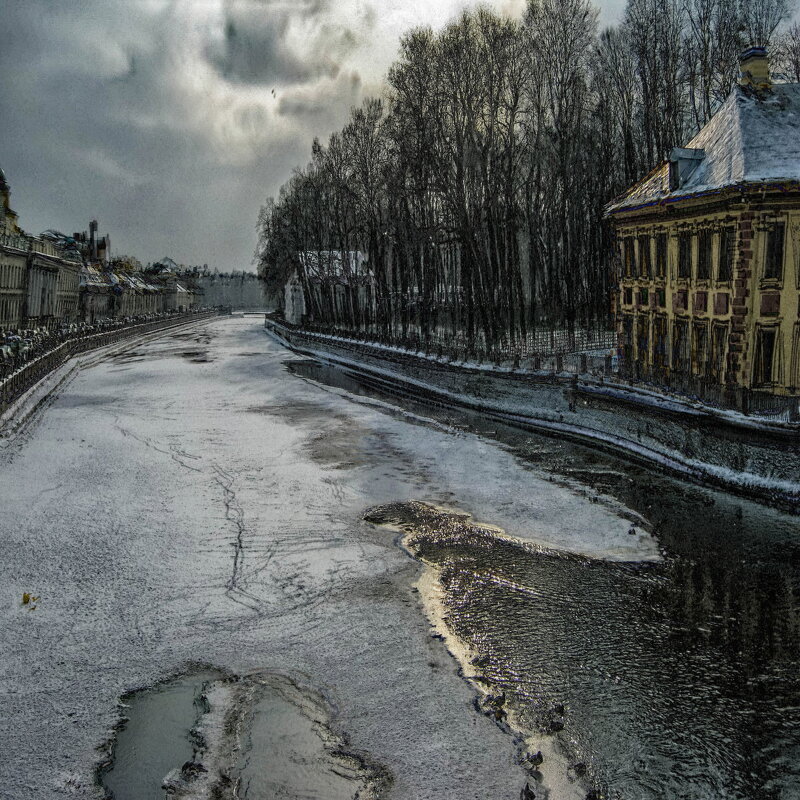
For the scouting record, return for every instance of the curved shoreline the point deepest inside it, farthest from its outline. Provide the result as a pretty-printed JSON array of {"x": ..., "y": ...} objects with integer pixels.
[
  {"x": 636, "y": 436},
  {"x": 542, "y": 756}
]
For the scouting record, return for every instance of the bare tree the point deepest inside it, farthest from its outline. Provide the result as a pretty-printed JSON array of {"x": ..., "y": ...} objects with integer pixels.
[
  {"x": 786, "y": 53},
  {"x": 476, "y": 186},
  {"x": 761, "y": 18}
]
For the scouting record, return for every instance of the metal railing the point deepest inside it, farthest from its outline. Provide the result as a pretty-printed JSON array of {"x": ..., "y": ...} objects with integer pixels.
[
  {"x": 457, "y": 346},
  {"x": 17, "y": 379},
  {"x": 17, "y": 241}
]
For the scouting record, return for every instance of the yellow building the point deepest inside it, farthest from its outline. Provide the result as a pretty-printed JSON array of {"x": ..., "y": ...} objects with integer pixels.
[
  {"x": 709, "y": 250},
  {"x": 39, "y": 281},
  {"x": 13, "y": 262}
]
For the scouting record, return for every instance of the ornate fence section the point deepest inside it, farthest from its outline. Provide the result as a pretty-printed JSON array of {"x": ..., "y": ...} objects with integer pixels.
[
  {"x": 15, "y": 384},
  {"x": 541, "y": 344}
]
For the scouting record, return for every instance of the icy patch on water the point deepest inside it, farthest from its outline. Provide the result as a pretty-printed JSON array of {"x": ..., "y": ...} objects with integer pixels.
[
  {"x": 481, "y": 476},
  {"x": 205, "y": 735}
]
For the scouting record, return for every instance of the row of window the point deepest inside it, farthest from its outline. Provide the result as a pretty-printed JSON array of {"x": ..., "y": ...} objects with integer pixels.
[
  {"x": 699, "y": 348},
  {"x": 645, "y": 298},
  {"x": 695, "y": 347},
  {"x": 638, "y": 260},
  {"x": 11, "y": 275}
]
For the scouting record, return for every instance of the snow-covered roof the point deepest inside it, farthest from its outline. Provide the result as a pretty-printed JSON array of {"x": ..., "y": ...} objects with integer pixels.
[
  {"x": 92, "y": 278},
  {"x": 750, "y": 140},
  {"x": 333, "y": 263},
  {"x": 140, "y": 284}
]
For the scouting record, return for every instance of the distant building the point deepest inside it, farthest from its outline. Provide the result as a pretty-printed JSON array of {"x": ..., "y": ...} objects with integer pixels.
[
  {"x": 39, "y": 280},
  {"x": 53, "y": 285},
  {"x": 95, "y": 294},
  {"x": 237, "y": 290},
  {"x": 179, "y": 291},
  {"x": 709, "y": 248},
  {"x": 13, "y": 262}
]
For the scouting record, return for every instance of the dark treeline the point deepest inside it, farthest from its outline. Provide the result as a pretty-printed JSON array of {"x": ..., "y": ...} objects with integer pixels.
[{"x": 476, "y": 185}]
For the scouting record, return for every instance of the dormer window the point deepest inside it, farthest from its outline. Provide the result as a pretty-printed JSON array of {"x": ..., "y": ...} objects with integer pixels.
[{"x": 683, "y": 161}]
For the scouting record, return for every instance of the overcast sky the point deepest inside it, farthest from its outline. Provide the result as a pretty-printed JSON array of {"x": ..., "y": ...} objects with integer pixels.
[{"x": 171, "y": 121}]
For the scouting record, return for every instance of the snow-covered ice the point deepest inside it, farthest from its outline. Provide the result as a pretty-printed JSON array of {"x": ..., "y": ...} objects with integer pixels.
[{"x": 187, "y": 500}]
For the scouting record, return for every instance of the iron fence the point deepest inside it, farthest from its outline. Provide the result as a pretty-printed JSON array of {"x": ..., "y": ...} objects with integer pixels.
[
  {"x": 458, "y": 346},
  {"x": 16, "y": 379}
]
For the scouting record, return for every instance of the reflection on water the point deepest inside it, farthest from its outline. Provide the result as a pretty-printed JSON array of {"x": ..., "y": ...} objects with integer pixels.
[
  {"x": 679, "y": 679},
  {"x": 666, "y": 680}
]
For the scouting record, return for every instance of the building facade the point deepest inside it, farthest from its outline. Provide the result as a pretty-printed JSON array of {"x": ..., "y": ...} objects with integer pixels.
[
  {"x": 13, "y": 266},
  {"x": 709, "y": 250},
  {"x": 39, "y": 282},
  {"x": 53, "y": 288},
  {"x": 13, "y": 262}
]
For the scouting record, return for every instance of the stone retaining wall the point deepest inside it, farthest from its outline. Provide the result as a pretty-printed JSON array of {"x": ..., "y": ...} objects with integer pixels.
[{"x": 724, "y": 449}]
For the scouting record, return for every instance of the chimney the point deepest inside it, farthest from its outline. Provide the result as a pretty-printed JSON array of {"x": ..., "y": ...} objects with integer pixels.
[
  {"x": 754, "y": 69},
  {"x": 93, "y": 240}
]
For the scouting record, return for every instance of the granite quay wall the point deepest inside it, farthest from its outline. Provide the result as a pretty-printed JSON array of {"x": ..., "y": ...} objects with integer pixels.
[{"x": 751, "y": 456}]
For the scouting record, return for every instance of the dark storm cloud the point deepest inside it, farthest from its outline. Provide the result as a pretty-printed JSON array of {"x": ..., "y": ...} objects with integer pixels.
[
  {"x": 257, "y": 53},
  {"x": 272, "y": 41},
  {"x": 158, "y": 116}
]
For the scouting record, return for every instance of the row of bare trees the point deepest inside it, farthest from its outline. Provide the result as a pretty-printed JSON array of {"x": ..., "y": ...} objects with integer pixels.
[{"x": 476, "y": 184}]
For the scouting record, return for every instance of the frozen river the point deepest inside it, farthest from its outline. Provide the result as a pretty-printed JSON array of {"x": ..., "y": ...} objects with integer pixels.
[{"x": 192, "y": 503}]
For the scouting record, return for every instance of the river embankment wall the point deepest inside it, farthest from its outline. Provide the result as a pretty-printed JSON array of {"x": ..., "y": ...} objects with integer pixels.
[{"x": 754, "y": 457}]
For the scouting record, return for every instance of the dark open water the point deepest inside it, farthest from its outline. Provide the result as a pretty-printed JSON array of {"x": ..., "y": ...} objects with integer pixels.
[{"x": 679, "y": 679}]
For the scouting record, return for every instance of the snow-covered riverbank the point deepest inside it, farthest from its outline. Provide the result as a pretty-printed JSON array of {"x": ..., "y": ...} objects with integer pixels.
[{"x": 724, "y": 449}]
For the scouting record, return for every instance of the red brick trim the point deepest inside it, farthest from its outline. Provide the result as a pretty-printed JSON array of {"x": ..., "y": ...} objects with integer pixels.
[{"x": 737, "y": 344}]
